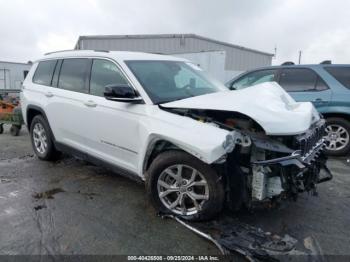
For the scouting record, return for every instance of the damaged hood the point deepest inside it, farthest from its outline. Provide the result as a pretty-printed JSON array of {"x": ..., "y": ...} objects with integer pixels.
[{"x": 267, "y": 103}]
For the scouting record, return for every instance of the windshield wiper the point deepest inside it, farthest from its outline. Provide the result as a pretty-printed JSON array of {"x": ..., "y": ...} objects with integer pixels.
[{"x": 172, "y": 100}]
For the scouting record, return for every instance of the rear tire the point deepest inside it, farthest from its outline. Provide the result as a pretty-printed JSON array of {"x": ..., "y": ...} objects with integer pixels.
[
  {"x": 1, "y": 129},
  {"x": 15, "y": 129},
  {"x": 42, "y": 139},
  {"x": 202, "y": 197},
  {"x": 338, "y": 129}
]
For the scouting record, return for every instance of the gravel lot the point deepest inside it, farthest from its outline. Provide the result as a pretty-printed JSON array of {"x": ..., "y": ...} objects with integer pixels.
[{"x": 71, "y": 207}]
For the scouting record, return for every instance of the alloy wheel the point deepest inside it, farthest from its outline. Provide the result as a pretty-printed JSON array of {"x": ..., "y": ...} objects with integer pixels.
[
  {"x": 40, "y": 138},
  {"x": 337, "y": 137},
  {"x": 182, "y": 189}
]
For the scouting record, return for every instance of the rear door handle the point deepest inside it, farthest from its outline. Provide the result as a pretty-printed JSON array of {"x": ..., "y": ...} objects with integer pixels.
[
  {"x": 49, "y": 94},
  {"x": 90, "y": 103}
]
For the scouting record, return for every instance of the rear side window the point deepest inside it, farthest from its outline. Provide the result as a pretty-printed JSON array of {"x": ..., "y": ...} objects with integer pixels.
[
  {"x": 254, "y": 78},
  {"x": 298, "y": 79},
  {"x": 44, "y": 72},
  {"x": 342, "y": 74},
  {"x": 73, "y": 75}
]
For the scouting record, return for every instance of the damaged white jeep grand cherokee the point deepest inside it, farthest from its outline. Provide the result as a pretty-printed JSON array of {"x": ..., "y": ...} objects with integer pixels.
[{"x": 198, "y": 147}]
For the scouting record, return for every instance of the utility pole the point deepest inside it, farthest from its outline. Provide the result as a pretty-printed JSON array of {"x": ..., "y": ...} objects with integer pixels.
[
  {"x": 300, "y": 57},
  {"x": 275, "y": 52}
]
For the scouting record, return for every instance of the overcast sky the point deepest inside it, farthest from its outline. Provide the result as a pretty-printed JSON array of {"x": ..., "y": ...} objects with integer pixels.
[{"x": 320, "y": 28}]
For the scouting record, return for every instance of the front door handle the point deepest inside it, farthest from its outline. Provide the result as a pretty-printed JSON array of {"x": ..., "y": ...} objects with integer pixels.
[
  {"x": 49, "y": 94},
  {"x": 90, "y": 103},
  {"x": 319, "y": 101}
]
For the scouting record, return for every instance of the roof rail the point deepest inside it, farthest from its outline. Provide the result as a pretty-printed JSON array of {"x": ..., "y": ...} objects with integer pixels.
[
  {"x": 72, "y": 50},
  {"x": 60, "y": 51},
  {"x": 326, "y": 62},
  {"x": 105, "y": 51},
  {"x": 288, "y": 63}
]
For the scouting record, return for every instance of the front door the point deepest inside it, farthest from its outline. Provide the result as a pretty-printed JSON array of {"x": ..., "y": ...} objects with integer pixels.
[{"x": 113, "y": 134}]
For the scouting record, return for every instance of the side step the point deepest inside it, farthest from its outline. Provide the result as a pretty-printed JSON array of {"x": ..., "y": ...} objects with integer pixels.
[{"x": 231, "y": 236}]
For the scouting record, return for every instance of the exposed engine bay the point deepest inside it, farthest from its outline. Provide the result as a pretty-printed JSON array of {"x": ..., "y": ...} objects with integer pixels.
[{"x": 265, "y": 169}]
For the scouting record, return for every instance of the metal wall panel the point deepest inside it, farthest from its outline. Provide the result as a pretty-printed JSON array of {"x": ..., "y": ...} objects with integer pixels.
[
  {"x": 237, "y": 58},
  {"x": 12, "y": 74}
]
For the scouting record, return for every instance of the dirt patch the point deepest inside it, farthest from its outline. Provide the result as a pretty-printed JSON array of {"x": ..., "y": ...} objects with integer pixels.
[
  {"x": 88, "y": 195},
  {"x": 48, "y": 194}
]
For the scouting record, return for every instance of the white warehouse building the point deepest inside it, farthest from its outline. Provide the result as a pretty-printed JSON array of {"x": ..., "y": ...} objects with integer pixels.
[
  {"x": 12, "y": 74},
  {"x": 222, "y": 60}
]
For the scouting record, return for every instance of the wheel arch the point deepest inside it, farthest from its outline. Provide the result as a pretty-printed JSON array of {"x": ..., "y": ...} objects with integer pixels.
[
  {"x": 160, "y": 144},
  {"x": 32, "y": 111},
  {"x": 154, "y": 148},
  {"x": 341, "y": 115}
]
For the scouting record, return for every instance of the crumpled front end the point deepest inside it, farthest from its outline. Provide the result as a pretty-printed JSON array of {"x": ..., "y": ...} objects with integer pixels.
[
  {"x": 275, "y": 168},
  {"x": 260, "y": 167}
]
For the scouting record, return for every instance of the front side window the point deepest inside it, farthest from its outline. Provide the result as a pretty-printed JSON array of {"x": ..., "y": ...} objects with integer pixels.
[
  {"x": 104, "y": 73},
  {"x": 73, "y": 74},
  {"x": 254, "y": 78},
  {"x": 342, "y": 74},
  {"x": 321, "y": 85},
  {"x": 298, "y": 79},
  {"x": 166, "y": 81},
  {"x": 44, "y": 71}
]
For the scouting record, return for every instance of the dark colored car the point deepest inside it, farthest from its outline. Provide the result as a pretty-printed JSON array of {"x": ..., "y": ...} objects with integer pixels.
[{"x": 326, "y": 85}]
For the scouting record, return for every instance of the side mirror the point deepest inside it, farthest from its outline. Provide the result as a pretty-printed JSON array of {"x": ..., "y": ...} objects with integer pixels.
[{"x": 121, "y": 93}]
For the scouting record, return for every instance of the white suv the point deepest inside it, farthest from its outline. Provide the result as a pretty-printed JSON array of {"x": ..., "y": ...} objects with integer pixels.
[{"x": 198, "y": 146}]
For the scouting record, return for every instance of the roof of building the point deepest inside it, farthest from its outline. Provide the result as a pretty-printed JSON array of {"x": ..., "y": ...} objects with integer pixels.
[
  {"x": 17, "y": 63},
  {"x": 170, "y": 36}
]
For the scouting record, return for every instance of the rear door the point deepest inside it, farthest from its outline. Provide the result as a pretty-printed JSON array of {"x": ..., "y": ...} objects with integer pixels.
[
  {"x": 304, "y": 85},
  {"x": 67, "y": 109},
  {"x": 340, "y": 83}
]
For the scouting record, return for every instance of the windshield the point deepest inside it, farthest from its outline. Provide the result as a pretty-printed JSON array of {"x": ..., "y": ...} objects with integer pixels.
[{"x": 166, "y": 81}]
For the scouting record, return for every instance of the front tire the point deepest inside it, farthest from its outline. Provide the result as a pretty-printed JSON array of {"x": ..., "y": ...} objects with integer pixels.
[
  {"x": 180, "y": 184},
  {"x": 337, "y": 136},
  {"x": 42, "y": 140}
]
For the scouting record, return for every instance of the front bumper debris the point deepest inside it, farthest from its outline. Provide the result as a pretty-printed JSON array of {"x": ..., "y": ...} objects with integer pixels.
[
  {"x": 232, "y": 236},
  {"x": 302, "y": 162},
  {"x": 281, "y": 172}
]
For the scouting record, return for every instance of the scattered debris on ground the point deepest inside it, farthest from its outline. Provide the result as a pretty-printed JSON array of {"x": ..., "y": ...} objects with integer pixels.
[
  {"x": 232, "y": 236},
  {"x": 48, "y": 194},
  {"x": 38, "y": 207}
]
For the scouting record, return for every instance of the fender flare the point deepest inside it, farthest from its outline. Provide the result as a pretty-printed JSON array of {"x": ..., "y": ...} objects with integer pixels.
[
  {"x": 42, "y": 112},
  {"x": 151, "y": 144}
]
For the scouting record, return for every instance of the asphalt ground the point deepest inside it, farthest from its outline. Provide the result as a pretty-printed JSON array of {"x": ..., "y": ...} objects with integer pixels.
[{"x": 70, "y": 207}]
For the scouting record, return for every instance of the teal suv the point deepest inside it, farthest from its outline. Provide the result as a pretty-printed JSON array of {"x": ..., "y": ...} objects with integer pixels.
[{"x": 326, "y": 85}]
